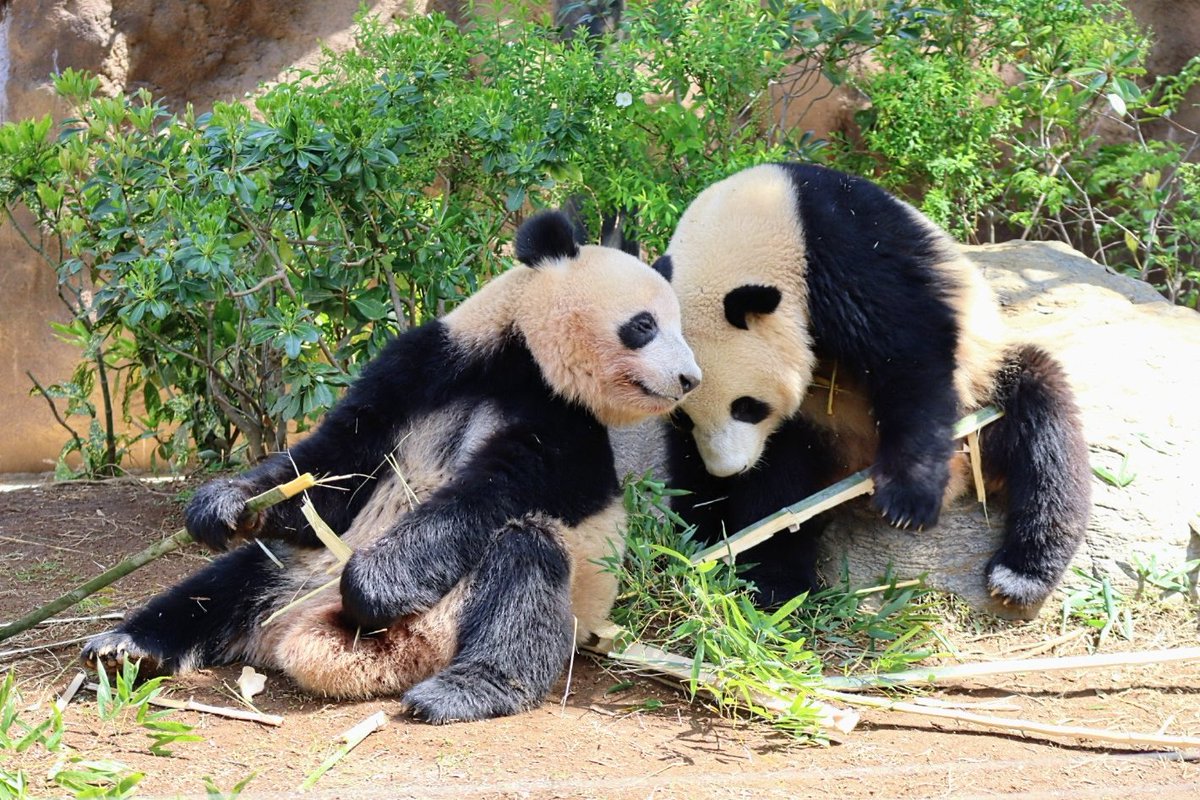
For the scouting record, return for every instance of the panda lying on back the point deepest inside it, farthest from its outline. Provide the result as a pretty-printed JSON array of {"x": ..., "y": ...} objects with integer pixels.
[
  {"x": 483, "y": 493},
  {"x": 788, "y": 272}
]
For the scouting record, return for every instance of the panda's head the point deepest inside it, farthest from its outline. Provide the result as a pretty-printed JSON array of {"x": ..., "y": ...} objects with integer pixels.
[
  {"x": 736, "y": 262},
  {"x": 603, "y": 327}
]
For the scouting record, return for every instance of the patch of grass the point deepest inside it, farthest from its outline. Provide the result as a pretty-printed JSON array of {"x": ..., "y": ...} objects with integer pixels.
[
  {"x": 212, "y": 792},
  {"x": 39, "y": 571},
  {"x": 112, "y": 701},
  {"x": 76, "y": 775},
  {"x": 1122, "y": 477}
]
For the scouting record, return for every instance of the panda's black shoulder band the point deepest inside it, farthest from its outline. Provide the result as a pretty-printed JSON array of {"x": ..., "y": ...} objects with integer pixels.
[{"x": 545, "y": 236}]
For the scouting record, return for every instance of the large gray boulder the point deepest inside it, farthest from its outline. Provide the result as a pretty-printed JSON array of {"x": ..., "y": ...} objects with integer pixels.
[{"x": 1133, "y": 360}]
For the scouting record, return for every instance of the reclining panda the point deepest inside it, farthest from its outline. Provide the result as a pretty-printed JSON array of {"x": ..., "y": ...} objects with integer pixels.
[
  {"x": 789, "y": 272},
  {"x": 484, "y": 493}
]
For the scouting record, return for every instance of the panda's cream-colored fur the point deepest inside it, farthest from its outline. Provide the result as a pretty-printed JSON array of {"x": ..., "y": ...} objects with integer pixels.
[{"x": 756, "y": 208}]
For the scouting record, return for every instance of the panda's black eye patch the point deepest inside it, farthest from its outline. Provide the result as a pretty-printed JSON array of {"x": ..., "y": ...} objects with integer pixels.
[
  {"x": 749, "y": 409},
  {"x": 638, "y": 331}
]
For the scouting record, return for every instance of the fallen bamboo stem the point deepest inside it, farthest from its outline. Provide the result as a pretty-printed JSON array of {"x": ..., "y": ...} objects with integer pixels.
[
  {"x": 1014, "y": 725},
  {"x": 933, "y": 675},
  {"x": 69, "y": 693},
  {"x": 352, "y": 738},
  {"x": 217, "y": 711},
  {"x": 793, "y": 516},
  {"x": 69, "y": 620},
  {"x": 20, "y": 651},
  {"x": 170, "y": 544}
]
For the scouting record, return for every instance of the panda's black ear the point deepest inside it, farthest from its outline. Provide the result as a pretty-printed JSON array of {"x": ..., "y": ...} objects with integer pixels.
[
  {"x": 750, "y": 299},
  {"x": 544, "y": 236},
  {"x": 664, "y": 267}
]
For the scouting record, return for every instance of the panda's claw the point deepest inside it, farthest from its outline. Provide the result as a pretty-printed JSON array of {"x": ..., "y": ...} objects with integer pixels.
[
  {"x": 1015, "y": 587},
  {"x": 111, "y": 650},
  {"x": 217, "y": 513}
]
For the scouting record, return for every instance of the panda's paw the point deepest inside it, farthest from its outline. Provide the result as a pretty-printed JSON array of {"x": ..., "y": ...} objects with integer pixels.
[
  {"x": 909, "y": 499},
  {"x": 217, "y": 513},
  {"x": 463, "y": 693},
  {"x": 377, "y": 591},
  {"x": 1015, "y": 588},
  {"x": 110, "y": 651}
]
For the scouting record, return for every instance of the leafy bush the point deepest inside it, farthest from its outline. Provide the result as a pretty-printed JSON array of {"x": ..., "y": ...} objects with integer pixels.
[
  {"x": 228, "y": 272},
  {"x": 1025, "y": 118}
]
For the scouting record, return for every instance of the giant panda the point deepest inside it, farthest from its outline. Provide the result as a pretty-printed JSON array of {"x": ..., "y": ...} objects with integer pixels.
[
  {"x": 793, "y": 277},
  {"x": 478, "y": 493}
]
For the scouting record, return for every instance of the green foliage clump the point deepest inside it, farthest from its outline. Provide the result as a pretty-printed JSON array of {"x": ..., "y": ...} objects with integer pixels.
[
  {"x": 764, "y": 662},
  {"x": 228, "y": 272},
  {"x": 1032, "y": 119}
]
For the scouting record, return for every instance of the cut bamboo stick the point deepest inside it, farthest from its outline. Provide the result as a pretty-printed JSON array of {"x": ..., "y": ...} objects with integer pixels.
[
  {"x": 793, "y": 516},
  {"x": 1015, "y": 725},
  {"x": 351, "y": 738},
  {"x": 69, "y": 693},
  {"x": 935, "y": 675},
  {"x": 170, "y": 544},
  {"x": 218, "y": 711}
]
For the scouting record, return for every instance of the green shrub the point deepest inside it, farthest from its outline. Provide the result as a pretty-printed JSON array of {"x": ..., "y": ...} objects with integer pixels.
[
  {"x": 1025, "y": 118},
  {"x": 228, "y": 272}
]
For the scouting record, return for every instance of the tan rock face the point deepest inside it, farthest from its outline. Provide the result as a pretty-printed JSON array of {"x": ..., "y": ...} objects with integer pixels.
[
  {"x": 1132, "y": 359},
  {"x": 184, "y": 51}
]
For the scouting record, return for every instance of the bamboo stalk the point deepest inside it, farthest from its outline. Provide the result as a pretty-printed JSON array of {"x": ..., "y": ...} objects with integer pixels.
[
  {"x": 792, "y": 516},
  {"x": 1014, "y": 725},
  {"x": 170, "y": 544},
  {"x": 933, "y": 675},
  {"x": 21, "y": 651},
  {"x": 352, "y": 738},
  {"x": 203, "y": 708}
]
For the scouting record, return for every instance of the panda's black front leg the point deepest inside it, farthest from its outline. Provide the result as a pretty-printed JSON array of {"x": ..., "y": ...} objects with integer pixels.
[
  {"x": 420, "y": 559},
  {"x": 915, "y": 410},
  {"x": 193, "y": 624}
]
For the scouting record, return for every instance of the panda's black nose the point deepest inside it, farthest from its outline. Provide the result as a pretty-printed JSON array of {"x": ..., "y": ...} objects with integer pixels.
[{"x": 688, "y": 382}]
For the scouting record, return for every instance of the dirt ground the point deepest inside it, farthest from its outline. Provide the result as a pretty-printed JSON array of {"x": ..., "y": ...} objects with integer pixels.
[{"x": 642, "y": 740}]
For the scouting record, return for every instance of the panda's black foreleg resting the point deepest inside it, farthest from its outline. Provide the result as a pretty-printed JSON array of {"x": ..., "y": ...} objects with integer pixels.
[
  {"x": 193, "y": 624},
  {"x": 421, "y": 558},
  {"x": 1037, "y": 450},
  {"x": 915, "y": 410},
  {"x": 354, "y": 451},
  {"x": 515, "y": 630}
]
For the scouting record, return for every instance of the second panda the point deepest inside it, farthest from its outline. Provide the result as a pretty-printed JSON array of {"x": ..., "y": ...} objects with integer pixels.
[
  {"x": 481, "y": 495},
  {"x": 788, "y": 273}
]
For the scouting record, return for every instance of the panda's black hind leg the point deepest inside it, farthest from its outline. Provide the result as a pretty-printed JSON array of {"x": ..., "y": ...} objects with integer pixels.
[
  {"x": 515, "y": 634},
  {"x": 192, "y": 624},
  {"x": 1038, "y": 451}
]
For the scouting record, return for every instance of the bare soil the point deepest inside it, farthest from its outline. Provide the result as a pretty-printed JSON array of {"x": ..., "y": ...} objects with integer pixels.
[{"x": 596, "y": 737}]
